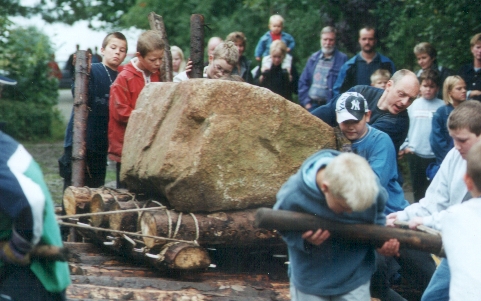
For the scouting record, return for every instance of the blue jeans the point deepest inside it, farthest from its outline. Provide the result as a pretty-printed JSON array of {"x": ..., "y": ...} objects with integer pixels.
[{"x": 438, "y": 288}]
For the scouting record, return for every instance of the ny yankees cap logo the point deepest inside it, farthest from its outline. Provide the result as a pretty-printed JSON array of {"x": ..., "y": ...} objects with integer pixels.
[{"x": 350, "y": 106}]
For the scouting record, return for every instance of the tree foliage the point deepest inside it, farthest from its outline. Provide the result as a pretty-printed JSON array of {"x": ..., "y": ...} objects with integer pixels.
[
  {"x": 27, "y": 106},
  {"x": 400, "y": 23}
]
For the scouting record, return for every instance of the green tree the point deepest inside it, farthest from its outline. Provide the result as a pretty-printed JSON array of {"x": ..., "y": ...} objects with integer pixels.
[
  {"x": 28, "y": 106},
  {"x": 400, "y": 23},
  {"x": 448, "y": 25}
]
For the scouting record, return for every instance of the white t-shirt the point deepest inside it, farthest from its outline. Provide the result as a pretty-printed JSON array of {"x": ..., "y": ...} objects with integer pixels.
[{"x": 461, "y": 231}]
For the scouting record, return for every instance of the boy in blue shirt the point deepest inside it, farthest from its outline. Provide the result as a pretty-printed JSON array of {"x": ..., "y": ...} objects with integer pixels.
[
  {"x": 353, "y": 115},
  {"x": 339, "y": 187}
]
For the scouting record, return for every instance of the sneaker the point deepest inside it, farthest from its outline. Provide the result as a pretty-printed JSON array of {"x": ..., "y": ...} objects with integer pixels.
[{"x": 7, "y": 81}]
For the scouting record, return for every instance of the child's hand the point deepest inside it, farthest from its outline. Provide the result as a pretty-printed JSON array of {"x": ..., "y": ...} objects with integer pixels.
[
  {"x": 390, "y": 219},
  {"x": 188, "y": 67},
  {"x": 258, "y": 58},
  {"x": 403, "y": 152},
  {"x": 389, "y": 248},
  {"x": 415, "y": 222},
  {"x": 316, "y": 238}
]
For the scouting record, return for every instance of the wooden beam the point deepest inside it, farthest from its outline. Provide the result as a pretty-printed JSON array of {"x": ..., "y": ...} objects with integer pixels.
[{"x": 376, "y": 235}]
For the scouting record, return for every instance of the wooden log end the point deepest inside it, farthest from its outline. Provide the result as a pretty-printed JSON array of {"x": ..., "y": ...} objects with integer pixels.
[{"x": 184, "y": 256}]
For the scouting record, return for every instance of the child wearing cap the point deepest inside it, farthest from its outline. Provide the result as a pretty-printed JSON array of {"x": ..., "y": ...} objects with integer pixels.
[
  {"x": 343, "y": 188},
  {"x": 353, "y": 115},
  {"x": 375, "y": 146}
]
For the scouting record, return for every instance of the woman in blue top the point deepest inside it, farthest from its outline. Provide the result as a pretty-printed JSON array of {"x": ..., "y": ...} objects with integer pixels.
[{"x": 454, "y": 93}]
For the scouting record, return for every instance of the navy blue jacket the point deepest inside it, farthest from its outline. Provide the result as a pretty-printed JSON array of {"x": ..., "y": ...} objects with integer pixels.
[
  {"x": 348, "y": 75},
  {"x": 98, "y": 103},
  {"x": 472, "y": 78},
  {"x": 441, "y": 142},
  {"x": 305, "y": 81}
]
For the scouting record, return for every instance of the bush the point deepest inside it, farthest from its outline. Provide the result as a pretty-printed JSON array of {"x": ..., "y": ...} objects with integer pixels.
[
  {"x": 28, "y": 121},
  {"x": 27, "y": 108}
]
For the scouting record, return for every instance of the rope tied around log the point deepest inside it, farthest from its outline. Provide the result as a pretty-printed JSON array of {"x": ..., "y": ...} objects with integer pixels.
[
  {"x": 85, "y": 226},
  {"x": 75, "y": 216}
]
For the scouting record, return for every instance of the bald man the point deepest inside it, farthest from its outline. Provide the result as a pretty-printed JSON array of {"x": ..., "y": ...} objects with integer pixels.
[{"x": 388, "y": 106}]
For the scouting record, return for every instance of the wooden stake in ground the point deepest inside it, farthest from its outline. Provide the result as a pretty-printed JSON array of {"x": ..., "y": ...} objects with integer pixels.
[
  {"x": 166, "y": 70},
  {"x": 197, "y": 46},
  {"x": 376, "y": 235},
  {"x": 82, "y": 69}
]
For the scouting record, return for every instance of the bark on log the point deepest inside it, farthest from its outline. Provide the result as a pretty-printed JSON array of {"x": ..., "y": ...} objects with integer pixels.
[
  {"x": 234, "y": 228},
  {"x": 166, "y": 70},
  {"x": 102, "y": 202},
  {"x": 197, "y": 45},
  {"x": 125, "y": 221},
  {"x": 181, "y": 256},
  {"x": 376, "y": 235},
  {"x": 82, "y": 68},
  {"x": 76, "y": 200}
]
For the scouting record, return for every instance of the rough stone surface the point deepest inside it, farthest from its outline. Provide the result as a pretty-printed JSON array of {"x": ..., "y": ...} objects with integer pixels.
[{"x": 209, "y": 145}]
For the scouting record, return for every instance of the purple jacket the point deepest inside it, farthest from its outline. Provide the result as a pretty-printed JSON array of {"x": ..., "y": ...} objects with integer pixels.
[{"x": 305, "y": 81}]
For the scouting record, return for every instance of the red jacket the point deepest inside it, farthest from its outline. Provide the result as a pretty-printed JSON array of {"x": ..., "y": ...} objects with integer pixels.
[{"x": 123, "y": 96}]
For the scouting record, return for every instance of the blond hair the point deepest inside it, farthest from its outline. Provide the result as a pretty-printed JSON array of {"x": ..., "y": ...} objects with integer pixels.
[
  {"x": 226, "y": 51},
  {"x": 280, "y": 46},
  {"x": 380, "y": 74},
  {"x": 181, "y": 54},
  {"x": 427, "y": 48},
  {"x": 473, "y": 165},
  {"x": 351, "y": 178},
  {"x": 475, "y": 39},
  {"x": 448, "y": 86},
  {"x": 274, "y": 18},
  {"x": 149, "y": 41}
]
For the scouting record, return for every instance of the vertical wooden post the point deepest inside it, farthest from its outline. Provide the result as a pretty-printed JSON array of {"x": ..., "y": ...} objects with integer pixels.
[
  {"x": 82, "y": 68},
  {"x": 166, "y": 71},
  {"x": 82, "y": 65},
  {"x": 197, "y": 45}
]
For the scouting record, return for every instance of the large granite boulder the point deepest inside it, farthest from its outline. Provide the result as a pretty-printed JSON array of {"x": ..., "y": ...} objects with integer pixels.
[{"x": 209, "y": 145}]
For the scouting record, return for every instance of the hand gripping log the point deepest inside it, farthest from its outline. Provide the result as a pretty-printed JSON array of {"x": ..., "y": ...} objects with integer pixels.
[
  {"x": 46, "y": 252},
  {"x": 376, "y": 235}
]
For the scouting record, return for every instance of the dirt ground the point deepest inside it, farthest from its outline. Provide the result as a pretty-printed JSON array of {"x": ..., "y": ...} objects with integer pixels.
[{"x": 46, "y": 155}]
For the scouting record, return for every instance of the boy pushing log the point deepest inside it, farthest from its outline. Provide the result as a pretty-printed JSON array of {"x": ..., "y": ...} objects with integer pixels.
[{"x": 339, "y": 187}]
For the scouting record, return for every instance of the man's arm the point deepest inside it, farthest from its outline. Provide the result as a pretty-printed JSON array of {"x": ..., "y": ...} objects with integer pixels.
[
  {"x": 396, "y": 126},
  {"x": 305, "y": 82},
  {"x": 120, "y": 102},
  {"x": 327, "y": 112},
  {"x": 340, "y": 80},
  {"x": 22, "y": 200},
  {"x": 439, "y": 144},
  {"x": 446, "y": 189}
]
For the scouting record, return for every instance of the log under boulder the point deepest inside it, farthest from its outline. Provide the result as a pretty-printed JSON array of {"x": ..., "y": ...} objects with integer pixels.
[{"x": 212, "y": 145}]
